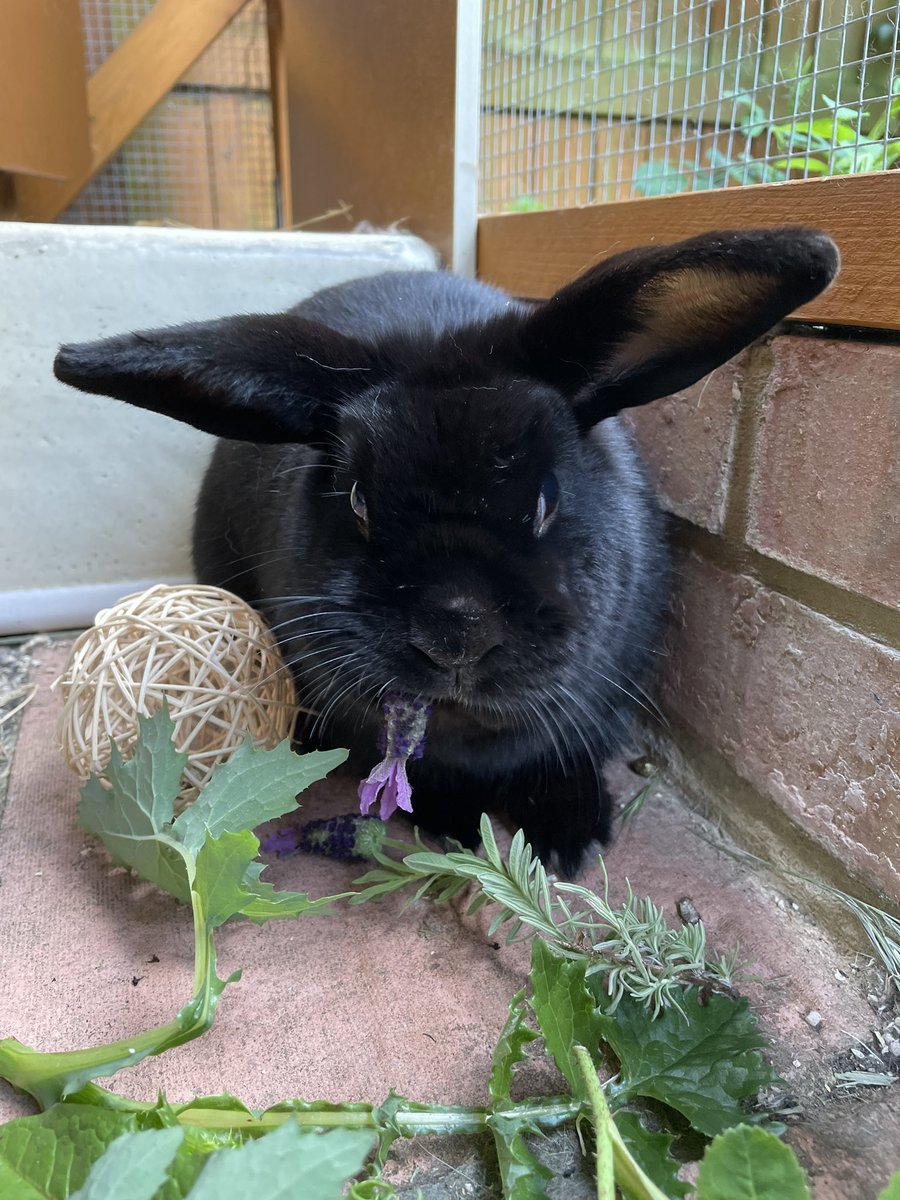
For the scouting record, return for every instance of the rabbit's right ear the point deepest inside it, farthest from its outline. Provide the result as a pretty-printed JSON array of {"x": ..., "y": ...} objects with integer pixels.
[{"x": 255, "y": 378}]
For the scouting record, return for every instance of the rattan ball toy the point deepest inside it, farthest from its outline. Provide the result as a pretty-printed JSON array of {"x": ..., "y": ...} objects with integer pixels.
[{"x": 204, "y": 650}]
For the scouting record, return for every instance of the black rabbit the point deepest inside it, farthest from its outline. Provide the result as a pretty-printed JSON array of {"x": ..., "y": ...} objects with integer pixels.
[{"x": 427, "y": 492}]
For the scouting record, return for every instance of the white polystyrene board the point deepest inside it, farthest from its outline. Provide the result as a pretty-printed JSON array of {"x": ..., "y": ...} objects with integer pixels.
[
  {"x": 94, "y": 493},
  {"x": 467, "y": 133}
]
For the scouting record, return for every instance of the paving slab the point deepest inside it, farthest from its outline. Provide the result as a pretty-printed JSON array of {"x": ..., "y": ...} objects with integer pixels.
[{"x": 386, "y": 996}]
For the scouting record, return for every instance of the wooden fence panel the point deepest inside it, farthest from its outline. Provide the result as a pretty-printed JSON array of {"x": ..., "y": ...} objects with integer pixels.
[{"x": 43, "y": 95}]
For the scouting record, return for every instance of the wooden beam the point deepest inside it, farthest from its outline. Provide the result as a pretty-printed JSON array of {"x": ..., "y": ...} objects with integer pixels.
[
  {"x": 280, "y": 120},
  {"x": 371, "y": 113},
  {"x": 123, "y": 90},
  {"x": 532, "y": 254},
  {"x": 44, "y": 124}
]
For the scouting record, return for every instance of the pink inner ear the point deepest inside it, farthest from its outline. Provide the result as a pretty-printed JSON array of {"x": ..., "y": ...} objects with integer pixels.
[{"x": 690, "y": 309}]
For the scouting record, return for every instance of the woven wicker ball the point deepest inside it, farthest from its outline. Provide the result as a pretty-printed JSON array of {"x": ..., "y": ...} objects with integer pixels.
[{"x": 207, "y": 652}]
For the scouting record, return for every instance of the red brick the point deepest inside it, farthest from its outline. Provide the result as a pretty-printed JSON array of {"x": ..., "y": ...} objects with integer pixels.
[
  {"x": 688, "y": 441},
  {"x": 825, "y": 491},
  {"x": 804, "y": 709}
]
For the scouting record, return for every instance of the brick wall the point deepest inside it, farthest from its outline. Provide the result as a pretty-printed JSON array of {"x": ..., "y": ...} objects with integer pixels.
[{"x": 782, "y": 677}]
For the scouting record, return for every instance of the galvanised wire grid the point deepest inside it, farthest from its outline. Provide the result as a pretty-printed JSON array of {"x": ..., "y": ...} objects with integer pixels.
[
  {"x": 205, "y": 155},
  {"x": 587, "y": 101}
]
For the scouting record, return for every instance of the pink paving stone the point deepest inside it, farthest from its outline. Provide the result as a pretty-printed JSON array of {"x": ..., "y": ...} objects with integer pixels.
[
  {"x": 825, "y": 493},
  {"x": 806, "y": 710},
  {"x": 687, "y": 441},
  {"x": 374, "y": 997}
]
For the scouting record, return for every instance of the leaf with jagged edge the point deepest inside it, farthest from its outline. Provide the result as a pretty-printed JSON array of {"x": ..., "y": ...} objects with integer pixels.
[
  {"x": 284, "y": 1165},
  {"x": 565, "y": 1010},
  {"x": 131, "y": 817},
  {"x": 151, "y": 776},
  {"x": 652, "y": 1151},
  {"x": 253, "y": 786},
  {"x": 50, "y": 1155},
  {"x": 522, "y": 1175},
  {"x": 134, "y": 1167},
  {"x": 129, "y": 805},
  {"x": 232, "y": 886},
  {"x": 747, "y": 1163},
  {"x": 510, "y": 1049},
  {"x": 703, "y": 1063},
  {"x": 266, "y": 903}
]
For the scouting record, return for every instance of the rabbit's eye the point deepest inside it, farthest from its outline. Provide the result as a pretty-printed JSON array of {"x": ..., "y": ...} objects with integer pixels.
[
  {"x": 547, "y": 505},
  {"x": 358, "y": 504}
]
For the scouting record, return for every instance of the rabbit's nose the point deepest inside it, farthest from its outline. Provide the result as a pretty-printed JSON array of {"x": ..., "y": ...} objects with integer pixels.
[{"x": 458, "y": 631}]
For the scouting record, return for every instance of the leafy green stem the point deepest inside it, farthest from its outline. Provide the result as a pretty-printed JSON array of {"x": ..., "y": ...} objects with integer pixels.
[
  {"x": 51, "y": 1077},
  {"x": 606, "y": 1187},
  {"x": 613, "y": 1156},
  {"x": 407, "y": 1118}
]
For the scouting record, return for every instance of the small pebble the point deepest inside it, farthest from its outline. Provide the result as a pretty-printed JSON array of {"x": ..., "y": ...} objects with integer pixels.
[
  {"x": 797, "y": 1062},
  {"x": 814, "y": 1019},
  {"x": 894, "y": 1048},
  {"x": 687, "y": 911},
  {"x": 840, "y": 976},
  {"x": 643, "y": 766}
]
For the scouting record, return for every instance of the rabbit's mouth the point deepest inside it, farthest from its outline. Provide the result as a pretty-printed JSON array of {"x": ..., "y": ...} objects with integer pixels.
[{"x": 460, "y": 715}]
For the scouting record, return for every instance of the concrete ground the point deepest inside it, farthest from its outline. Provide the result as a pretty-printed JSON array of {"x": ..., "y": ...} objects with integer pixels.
[{"x": 378, "y": 997}]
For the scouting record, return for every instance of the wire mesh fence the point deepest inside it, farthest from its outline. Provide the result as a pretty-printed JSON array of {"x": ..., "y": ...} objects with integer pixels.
[
  {"x": 588, "y": 101},
  {"x": 205, "y": 155}
]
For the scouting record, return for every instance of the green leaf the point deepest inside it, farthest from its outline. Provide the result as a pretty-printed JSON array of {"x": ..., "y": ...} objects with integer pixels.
[
  {"x": 564, "y": 1009},
  {"x": 221, "y": 869},
  {"x": 134, "y": 1167},
  {"x": 892, "y": 1191},
  {"x": 253, "y": 786},
  {"x": 50, "y": 1155},
  {"x": 151, "y": 776},
  {"x": 285, "y": 1165},
  {"x": 267, "y": 904},
  {"x": 659, "y": 178},
  {"x": 702, "y": 1063},
  {"x": 129, "y": 816},
  {"x": 510, "y": 1049},
  {"x": 748, "y": 1163},
  {"x": 653, "y": 1152},
  {"x": 189, "y": 1162},
  {"x": 522, "y": 1176},
  {"x": 230, "y": 878}
]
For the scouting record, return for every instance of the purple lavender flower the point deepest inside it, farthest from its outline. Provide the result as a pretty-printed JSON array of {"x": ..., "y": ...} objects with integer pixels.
[
  {"x": 351, "y": 837},
  {"x": 404, "y": 738},
  {"x": 281, "y": 841}
]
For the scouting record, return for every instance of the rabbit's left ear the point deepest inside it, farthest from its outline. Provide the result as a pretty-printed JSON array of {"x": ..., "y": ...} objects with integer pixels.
[{"x": 648, "y": 322}]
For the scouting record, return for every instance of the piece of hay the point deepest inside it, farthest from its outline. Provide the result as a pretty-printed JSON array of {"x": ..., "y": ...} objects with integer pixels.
[{"x": 210, "y": 655}]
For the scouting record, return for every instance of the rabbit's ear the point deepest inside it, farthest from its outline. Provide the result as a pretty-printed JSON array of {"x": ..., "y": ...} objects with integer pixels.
[
  {"x": 256, "y": 378},
  {"x": 648, "y": 322}
]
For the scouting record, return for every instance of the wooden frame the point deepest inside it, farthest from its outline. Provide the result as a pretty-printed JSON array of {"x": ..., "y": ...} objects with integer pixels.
[
  {"x": 44, "y": 126},
  {"x": 380, "y": 108},
  {"x": 124, "y": 89},
  {"x": 532, "y": 254},
  {"x": 280, "y": 127}
]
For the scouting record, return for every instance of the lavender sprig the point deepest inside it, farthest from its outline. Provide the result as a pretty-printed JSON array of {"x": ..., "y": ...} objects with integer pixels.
[{"x": 404, "y": 738}]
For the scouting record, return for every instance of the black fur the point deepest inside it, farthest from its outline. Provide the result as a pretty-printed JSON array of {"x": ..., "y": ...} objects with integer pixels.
[{"x": 456, "y": 411}]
